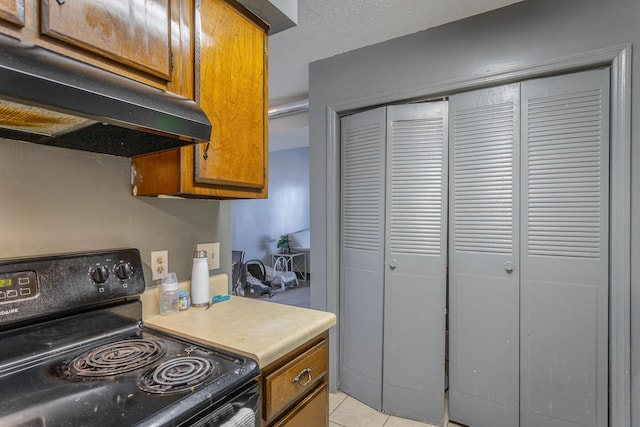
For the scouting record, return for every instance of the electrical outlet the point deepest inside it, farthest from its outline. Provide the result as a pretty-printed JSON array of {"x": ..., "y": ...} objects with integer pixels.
[
  {"x": 213, "y": 254},
  {"x": 159, "y": 264}
]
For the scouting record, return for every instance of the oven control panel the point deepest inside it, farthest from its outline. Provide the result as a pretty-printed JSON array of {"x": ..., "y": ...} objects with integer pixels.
[
  {"x": 46, "y": 285},
  {"x": 18, "y": 286}
]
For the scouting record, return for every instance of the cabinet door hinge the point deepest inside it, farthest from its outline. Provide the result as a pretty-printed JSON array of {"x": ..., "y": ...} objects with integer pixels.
[{"x": 171, "y": 63}]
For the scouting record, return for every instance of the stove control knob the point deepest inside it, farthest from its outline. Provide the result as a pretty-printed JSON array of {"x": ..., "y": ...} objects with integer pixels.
[
  {"x": 124, "y": 270},
  {"x": 100, "y": 274}
]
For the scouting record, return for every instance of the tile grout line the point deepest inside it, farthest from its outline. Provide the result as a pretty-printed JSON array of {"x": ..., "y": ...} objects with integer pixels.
[{"x": 346, "y": 396}]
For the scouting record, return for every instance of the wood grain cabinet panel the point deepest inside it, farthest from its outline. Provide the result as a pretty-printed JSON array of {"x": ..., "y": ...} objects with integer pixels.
[
  {"x": 172, "y": 173},
  {"x": 231, "y": 91},
  {"x": 231, "y": 88},
  {"x": 133, "y": 32},
  {"x": 148, "y": 41},
  {"x": 12, "y": 11}
]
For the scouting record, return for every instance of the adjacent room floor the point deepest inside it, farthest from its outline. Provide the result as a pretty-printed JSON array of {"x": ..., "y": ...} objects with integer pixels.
[{"x": 299, "y": 296}]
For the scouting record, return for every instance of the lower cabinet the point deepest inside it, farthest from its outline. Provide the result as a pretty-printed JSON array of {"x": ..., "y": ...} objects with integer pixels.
[
  {"x": 311, "y": 412},
  {"x": 295, "y": 387}
]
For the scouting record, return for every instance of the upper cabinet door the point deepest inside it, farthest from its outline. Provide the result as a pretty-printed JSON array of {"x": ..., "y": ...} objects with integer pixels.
[
  {"x": 231, "y": 88},
  {"x": 132, "y": 32},
  {"x": 12, "y": 11},
  {"x": 231, "y": 79}
]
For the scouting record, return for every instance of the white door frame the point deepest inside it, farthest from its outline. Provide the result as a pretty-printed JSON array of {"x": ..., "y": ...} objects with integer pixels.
[{"x": 619, "y": 59}]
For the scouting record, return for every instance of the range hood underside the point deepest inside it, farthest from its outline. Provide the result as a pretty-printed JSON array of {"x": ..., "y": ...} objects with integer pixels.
[
  {"x": 103, "y": 138},
  {"x": 50, "y": 99}
]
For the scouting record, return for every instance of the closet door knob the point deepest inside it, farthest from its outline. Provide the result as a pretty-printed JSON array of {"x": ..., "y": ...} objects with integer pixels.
[
  {"x": 393, "y": 264},
  {"x": 508, "y": 266}
]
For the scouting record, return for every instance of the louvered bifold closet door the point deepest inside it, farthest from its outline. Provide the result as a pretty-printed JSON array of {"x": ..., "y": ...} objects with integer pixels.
[
  {"x": 362, "y": 255},
  {"x": 483, "y": 248},
  {"x": 564, "y": 289},
  {"x": 415, "y": 278}
]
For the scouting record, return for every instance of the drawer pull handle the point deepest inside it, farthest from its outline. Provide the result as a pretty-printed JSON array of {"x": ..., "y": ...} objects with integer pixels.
[{"x": 298, "y": 377}]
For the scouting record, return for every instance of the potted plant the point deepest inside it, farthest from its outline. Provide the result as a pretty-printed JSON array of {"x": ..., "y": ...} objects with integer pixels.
[{"x": 283, "y": 243}]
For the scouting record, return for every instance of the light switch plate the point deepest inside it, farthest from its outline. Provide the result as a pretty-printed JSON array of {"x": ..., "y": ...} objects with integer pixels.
[{"x": 213, "y": 254}]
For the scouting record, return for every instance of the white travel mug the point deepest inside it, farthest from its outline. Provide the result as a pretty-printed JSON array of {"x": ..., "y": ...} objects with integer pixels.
[{"x": 200, "y": 280}]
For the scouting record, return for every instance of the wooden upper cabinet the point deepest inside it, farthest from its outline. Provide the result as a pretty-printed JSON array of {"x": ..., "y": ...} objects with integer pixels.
[
  {"x": 231, "y": 88},
  {"x": 146, "y": 40},
  {"x": 12, "y": 11},
  {"x": 133, "y": 32}
]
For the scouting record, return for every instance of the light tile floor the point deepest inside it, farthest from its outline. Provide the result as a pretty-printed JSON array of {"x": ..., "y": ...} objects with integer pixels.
[{"x": 345, "y": 411}]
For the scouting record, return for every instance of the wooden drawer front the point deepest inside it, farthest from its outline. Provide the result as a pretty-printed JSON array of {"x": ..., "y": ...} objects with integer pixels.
[
  {"x": 295, "y": 378},
  {"x": 313, "y": 411}
]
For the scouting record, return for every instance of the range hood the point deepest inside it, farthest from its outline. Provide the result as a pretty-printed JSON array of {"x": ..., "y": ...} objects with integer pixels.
[{"x": 51, "y": 99}]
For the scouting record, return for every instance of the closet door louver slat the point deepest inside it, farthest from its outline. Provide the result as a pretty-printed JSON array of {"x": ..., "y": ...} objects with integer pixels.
[
  {"x": 483, "y": 164},
  {"x": 564, "y": 135},
  {"x": 417, "y": 157},
  {"x": 362, "y": 198}
]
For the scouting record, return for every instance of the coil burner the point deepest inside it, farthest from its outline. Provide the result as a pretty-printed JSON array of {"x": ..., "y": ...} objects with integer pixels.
[
  {"x": 179, "y": 374},
  {"x": 117, "y": 358},
  {"x": 74, "y": 351}
]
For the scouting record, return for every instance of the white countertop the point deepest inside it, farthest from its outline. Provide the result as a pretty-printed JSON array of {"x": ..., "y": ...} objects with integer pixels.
[{"x": 260, "y": 329}]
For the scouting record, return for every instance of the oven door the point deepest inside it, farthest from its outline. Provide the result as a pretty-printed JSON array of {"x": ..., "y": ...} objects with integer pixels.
[{"x": 242, "y": 409}]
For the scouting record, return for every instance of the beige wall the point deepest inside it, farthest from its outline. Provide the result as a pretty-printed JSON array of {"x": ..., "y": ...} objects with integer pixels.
[{"x": 56, "y": 200}]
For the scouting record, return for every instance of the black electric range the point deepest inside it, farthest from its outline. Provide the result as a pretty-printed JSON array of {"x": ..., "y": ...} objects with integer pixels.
[{"x": 74, "y": 351}]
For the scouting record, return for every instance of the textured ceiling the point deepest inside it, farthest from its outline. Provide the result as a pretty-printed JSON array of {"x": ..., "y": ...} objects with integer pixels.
[{"x": 330, "y": 27}]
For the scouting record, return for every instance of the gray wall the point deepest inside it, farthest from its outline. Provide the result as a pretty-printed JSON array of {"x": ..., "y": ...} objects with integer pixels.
[
  {"x": 525, "y": 33},
  {"x": 56, "y": 200},
  {"x": 258, "y": 224}
]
